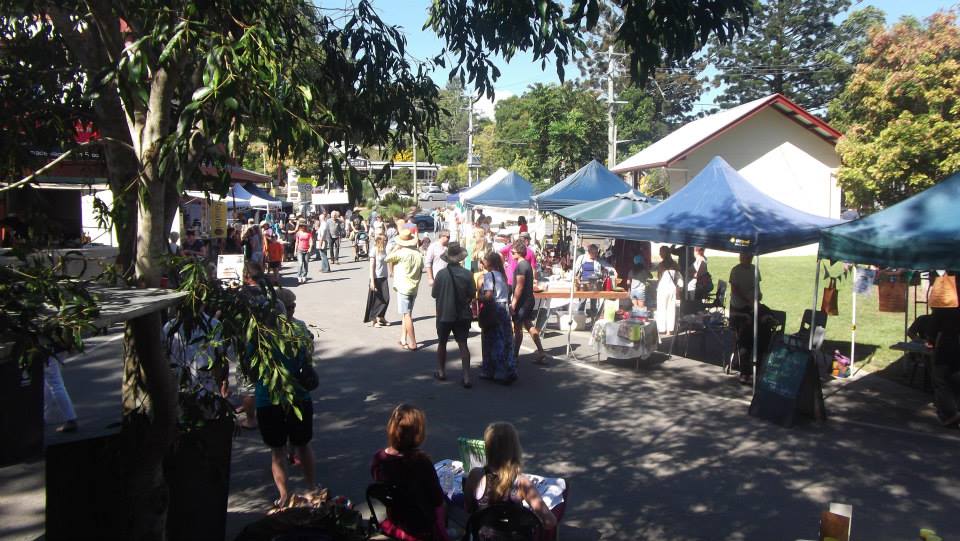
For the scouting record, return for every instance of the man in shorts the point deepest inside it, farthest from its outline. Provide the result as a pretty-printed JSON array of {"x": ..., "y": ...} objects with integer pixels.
[
  {"x": 522, "y": 305},
  {"x": 279, "y": 423},
  {"x": 453, "y": 288},
  {"x": 407, "y": 270}
]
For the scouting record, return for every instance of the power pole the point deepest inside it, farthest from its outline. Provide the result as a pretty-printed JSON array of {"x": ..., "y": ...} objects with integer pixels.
[
  {"x": 470, "y": 143},
  {"x": 611, "y": 125},
  {"x": 416, "y": 192}
]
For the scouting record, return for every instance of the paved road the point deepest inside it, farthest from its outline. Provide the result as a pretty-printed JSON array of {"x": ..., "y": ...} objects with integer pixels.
[{"x": 663, "y": 452}]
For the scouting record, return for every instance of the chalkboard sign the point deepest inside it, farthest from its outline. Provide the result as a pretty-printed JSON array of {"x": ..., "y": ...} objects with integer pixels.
[{"x": 788, "y": 384}]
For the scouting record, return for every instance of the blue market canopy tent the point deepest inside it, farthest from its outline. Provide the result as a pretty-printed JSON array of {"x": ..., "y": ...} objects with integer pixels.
[
  {"x": 502, "y": 189},
  {"x": 919, "y": 233},
  {"x": 257, "y": 191},
  {"x": 721, "y": 210},
  {"x": 592, "y": 182},
  {"x": 618, "y": 206}
]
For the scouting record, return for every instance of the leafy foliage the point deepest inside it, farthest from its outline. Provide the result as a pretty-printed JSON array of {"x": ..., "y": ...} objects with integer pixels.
[
  {"x": 900, "y": 113},
  {"x": 41, "y": 313},
  {"x": 251, "y": 324},
  {"x": 654, "y": 31},
  {"x": 795, "y": 48},
  {"x": 551, "y": 131},
  {"x": 653, "y": 109}
]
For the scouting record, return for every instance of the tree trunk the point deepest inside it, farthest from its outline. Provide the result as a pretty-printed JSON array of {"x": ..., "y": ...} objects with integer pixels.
[{"x": 147, "y": 372}]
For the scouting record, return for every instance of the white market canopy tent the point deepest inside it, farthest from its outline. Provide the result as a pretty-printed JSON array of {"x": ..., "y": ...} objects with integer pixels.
[{"x": 239, "y": 198}]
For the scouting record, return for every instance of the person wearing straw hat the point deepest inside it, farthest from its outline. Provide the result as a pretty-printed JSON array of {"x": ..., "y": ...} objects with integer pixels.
[
  {"x": 407, "y": 270},
  {"x": 453, "y": 289}
]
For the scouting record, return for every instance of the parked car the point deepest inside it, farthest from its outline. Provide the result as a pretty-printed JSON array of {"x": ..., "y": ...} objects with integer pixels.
[
  {"x": 424, "y": 222},
  {"x": 433, "y": 193}
]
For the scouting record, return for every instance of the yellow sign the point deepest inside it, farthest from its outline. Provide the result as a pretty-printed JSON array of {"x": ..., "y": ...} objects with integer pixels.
[{"x": 218, "y": 219}]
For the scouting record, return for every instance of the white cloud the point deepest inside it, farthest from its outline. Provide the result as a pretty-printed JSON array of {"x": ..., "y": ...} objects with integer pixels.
[{"x": 485, "y": 108}]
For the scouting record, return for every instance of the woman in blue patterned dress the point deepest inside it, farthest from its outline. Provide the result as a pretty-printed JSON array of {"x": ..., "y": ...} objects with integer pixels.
[{"x": 499, "y": 362}]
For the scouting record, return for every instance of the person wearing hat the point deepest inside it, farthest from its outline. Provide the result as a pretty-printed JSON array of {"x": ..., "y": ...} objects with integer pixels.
[
  {"x": 407, "y": 269},
  {"x": 453, "y": 289},
  {"x": 303, "y": 243}
]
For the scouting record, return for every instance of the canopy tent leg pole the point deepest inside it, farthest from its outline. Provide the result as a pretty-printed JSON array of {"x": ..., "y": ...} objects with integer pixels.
[
  {"x": 906, "y": 306},
  {"x": 853, "y": 325},
  {"x": 756, "y": 312},
  {"x": 813, "y": 307},
  {"x": 573, "y": 286}
]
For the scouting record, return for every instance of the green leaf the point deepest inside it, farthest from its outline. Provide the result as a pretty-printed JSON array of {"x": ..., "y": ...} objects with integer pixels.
[
  {"x": 307, "y": 94},
  {"x": 201, "y": 93}
]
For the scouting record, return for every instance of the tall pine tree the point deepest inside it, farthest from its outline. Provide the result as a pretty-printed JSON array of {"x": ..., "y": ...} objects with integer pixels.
[{"x": 795, "y": 48}]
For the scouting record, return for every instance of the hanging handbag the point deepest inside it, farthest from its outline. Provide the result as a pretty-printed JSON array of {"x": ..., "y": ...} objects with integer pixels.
[
  {"x": 892, "y": 290},
  {"x": 307, "y": 377},
  {"x": 829, "y": 303},
  {"x": 943, "y": 293}
]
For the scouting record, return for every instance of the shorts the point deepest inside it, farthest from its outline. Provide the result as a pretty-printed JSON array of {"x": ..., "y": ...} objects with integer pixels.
[
  {"x": 405, "y": 303},
  {"x": 277, "y": 424},
  {"x": 524, "y": 313},
  {"x": 274, "y": 265},
  {"x": 460, "y": 329}
]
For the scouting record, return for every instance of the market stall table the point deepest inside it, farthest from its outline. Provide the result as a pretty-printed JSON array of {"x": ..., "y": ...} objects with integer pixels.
[{"x": 626, "y": 339}]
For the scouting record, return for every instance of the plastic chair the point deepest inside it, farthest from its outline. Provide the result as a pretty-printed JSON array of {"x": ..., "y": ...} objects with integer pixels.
[
  {"x": 801, "y": 338},
  {"x": 718, "y": 298},
  {"x": 504, "y": 521},
  {"x": 473, "y": 453}
]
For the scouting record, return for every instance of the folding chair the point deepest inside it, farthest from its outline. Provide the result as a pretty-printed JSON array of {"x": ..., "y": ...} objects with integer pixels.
[
  {"x": 718, "y": 298},
  {"x": 396, "y": 497},
  {"x": 473, "y": 453},
  {"x": 505, "y": 521},
  {"x": 801, "y": 338}
]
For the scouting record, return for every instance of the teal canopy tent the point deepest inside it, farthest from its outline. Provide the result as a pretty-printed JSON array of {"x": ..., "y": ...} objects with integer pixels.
[
  {"x": 920, "y": 233},
  {"x": 624, "y": 204}
]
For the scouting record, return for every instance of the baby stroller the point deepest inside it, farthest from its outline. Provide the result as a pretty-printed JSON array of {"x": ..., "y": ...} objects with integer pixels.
[{"x": 360, "y": 246}]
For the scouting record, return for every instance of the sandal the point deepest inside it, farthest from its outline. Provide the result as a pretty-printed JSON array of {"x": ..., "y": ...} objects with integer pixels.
[{"x": 437, "y": 376}]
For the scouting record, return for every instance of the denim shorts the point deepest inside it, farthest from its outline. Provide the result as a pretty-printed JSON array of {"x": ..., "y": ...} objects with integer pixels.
[{"x": 405, "y": 303}]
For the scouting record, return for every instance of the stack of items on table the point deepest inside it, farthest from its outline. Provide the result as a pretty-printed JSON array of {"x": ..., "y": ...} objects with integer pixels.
[{"x": 627, "y": 334}]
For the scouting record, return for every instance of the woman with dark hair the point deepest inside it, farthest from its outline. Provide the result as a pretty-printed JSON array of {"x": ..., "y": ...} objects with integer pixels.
[
  {"x": 522, "y": 223},
  {"x": 403, "y": 464},
  {"x": 496, "y": 329},
  {"x": 378, "y": 298}
]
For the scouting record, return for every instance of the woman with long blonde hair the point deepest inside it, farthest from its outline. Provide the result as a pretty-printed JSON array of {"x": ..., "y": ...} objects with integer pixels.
[
  {"x": 378, "y": 296},
  {"x": 502, "y": 480}
]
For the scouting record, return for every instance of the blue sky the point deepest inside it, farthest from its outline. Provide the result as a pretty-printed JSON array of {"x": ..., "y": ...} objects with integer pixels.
[{"x": 522, "y": 72}]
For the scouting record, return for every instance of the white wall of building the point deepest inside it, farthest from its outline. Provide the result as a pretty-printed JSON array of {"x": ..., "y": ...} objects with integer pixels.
[
  {"x": 90, "y": 226},
  {"x": 779, "y": 157}
]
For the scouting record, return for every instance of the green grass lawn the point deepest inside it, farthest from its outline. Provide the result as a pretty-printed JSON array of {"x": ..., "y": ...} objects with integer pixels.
[{"x": 787, "y": 284}]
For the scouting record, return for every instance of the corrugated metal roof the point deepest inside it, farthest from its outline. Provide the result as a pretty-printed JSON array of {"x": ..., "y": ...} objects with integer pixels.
[{"x": 698, "y": 132}]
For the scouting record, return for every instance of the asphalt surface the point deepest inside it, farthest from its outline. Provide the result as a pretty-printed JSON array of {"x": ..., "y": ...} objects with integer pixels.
[{"x": 665, "y": 451}]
